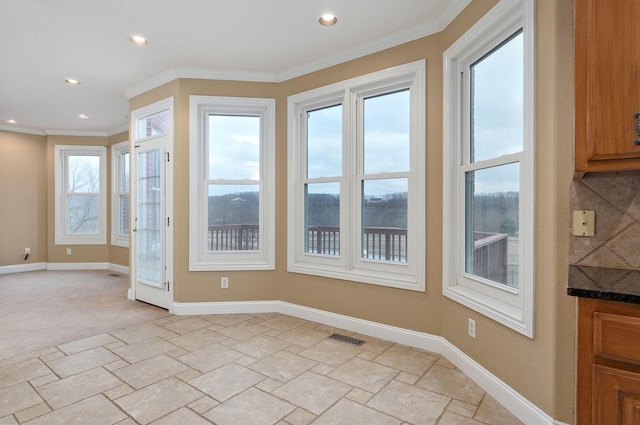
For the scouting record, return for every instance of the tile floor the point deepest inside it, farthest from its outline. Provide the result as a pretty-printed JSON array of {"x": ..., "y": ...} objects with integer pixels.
[{"x": 242, "y": 369}]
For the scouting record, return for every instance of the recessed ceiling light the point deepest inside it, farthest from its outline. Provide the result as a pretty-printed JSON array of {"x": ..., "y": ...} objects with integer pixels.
[
  {"x": 72, "y": 82},
  {"x": 11, "y": 122},
  {"x": 139, "y": 40},
  {"x": 83, "y": 117},
  {"x": 327, "y": 20}
]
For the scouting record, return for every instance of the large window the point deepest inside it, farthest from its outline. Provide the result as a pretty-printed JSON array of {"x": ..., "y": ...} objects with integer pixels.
[
  {"x": 120, "y": 165},
  {"x": 356, "y": 179},
  {"x": 232, "y": 221},
  {"x": 489, "y": 178},
  {"x": 80, "y": 203}
]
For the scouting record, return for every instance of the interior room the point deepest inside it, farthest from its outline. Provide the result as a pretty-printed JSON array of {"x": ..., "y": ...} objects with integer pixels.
[{"x": 306, "y": 182}]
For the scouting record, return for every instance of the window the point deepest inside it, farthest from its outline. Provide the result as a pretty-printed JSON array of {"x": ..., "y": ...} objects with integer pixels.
[
  {"x": 120, "y": 194},
  {"x": 357, "y": 179},
  {"x": 489, "y": 170},
  {"x": 80, "y": 203},
  {"x": 232, "y": 207}
]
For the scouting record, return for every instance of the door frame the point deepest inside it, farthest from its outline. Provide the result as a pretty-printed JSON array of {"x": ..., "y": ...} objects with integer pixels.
[{"x": 135, "y": 139}]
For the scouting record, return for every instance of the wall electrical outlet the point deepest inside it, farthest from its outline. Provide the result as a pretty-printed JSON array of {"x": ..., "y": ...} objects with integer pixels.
[
  {"x": 224, "y": 282},
  {"x": 68, "y": 251},
  {"x": 472, "y": 328},
  {"x": 27, "y": 251}
]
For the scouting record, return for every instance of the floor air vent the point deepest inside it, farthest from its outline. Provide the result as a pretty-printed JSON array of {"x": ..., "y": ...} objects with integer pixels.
[
  {"x": 347, "y": 339},
  {"x": 114, "y": 275}
]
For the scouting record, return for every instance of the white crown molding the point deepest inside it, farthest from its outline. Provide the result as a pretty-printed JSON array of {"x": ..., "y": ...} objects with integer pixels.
[
  {"x": 118, "y": 130},
  {"x": 212, "y": 74},
  {"x": 454, "y": 9},
  {"x": 150, "y": 84},
  {"x": 15, "y": 129},
  {"x": 75, "y": 133}
]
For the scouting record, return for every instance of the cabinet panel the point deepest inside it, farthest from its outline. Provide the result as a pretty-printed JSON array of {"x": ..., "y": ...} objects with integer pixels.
[
  {"x": 607, "y": 83},
  {"x": 616, "y": 396},
  {"x": 617, "y": 337}
]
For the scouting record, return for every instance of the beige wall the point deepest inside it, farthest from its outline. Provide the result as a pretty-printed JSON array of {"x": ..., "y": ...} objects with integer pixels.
[
  {"x": 541, "y": 369},
  {"x": 117, "y": 254},
  {"x": 23, "y": 204},
  {"x": 79, "y": 253}
]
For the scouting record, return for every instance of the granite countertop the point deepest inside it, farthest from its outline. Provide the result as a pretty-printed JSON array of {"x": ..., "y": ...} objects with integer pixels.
[{"x": 604, "y": 284}]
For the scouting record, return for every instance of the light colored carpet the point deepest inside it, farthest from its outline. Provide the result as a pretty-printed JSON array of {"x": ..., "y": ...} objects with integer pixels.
[{"x": 41, "y": 309}]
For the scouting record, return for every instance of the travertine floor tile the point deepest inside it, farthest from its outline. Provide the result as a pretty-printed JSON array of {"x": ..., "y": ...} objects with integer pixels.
[
  {"x": 364, "y": 374},
  {"x": 32, "y": 412},
  {"x": 331, "y": 353},
  {"x": 492, "y": 412},
  {"x": 8, "y": 420},
  {"x": 252, "y": 407},
  {"x": 405, "y": 359},
  {"x": 187, "y": 325},
  {"x": 228, "y": 319},
  {"x": 87, "y": 343},
  {"x": 283, "y": 323},
  {"x": 313, "y": 392},
  {"x": 451, "y": 383},
  {"x": 450, "y": 418},
  {"x": 145, "y": 349},
  {"x": 16, "y": 398},
  {"x": 226, "y": 381},
  {"x": 78, "y": 387},
  {"x": 157, "y": 400},
  {"x": 260, "y": 346},
  {"x": 411, "y": 404},
  {"x": 22, "y": 372},
  {"x": 149, "y": 371},
  {"x": 96, "y": 410},
  {"x": 140, "y": 332},
  {"x": 304, "y": 336},
  {"x": 182, "y": 417},
  {"x": 352, "y": 413},
  {"x": 243, "y": 330},
  {"x": 283, "y": 366},
  {"x": 211, "y": 357},
  {"x": 300, "y": 417},
  {"x": 82, "y": 361},
  {"x": 197, "y": 339}
]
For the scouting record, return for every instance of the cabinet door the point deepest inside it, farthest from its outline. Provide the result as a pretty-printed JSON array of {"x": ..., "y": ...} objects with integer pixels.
[
  {"x": 616, "y": 396},
  {"x": 607, "y": 84}
]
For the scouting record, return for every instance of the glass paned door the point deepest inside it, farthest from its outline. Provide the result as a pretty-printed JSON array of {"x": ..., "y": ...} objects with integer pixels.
[{"x": 151, "y": 224}]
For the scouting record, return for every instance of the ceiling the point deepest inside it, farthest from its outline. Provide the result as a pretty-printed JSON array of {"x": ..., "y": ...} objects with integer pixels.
[{"x": 44, "y": 42}]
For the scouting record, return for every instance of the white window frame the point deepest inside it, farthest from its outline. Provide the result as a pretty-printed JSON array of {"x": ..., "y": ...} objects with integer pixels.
[
  {"x": 349, "y": 265},
  {"x": 117, "y": 150},
  {"x": 200, "y": 259},
  {"x": 61, "y": 154},
  {"x": 513, "y": 308}
]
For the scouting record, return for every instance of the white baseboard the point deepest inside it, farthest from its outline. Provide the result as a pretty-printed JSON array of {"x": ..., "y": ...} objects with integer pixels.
[
  {"x": 118, "y": 268},
  {"x": 522, "y": 408},
  {"x": 18, "y": 268}
]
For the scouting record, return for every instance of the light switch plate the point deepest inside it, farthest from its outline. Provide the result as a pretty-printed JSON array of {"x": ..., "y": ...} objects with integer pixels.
[{"x": 584, "y": 223}]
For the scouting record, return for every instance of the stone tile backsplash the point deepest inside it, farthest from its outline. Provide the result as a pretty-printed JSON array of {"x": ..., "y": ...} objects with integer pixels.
[{"x": 616, "y": 201}]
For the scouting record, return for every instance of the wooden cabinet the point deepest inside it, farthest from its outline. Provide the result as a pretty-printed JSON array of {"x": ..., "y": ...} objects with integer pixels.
[
  {"x": 607, "y": 85},
  {"x": 608, "y": 390}
]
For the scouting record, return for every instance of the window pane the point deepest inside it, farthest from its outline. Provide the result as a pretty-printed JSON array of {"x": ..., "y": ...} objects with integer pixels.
[
  {"x": 322, "y": 218},
  {"x": 124, "y": 213},
  {"x": 154, "y": 124},
  {"x": 491, "y": 223},
  {"x": 324, "y": 142},
  {"x": 386, "y": 133},
  {"x": 124, "y": 172},
  {"x": 497, "y": 101},
  {"x": 233, "y": 217},
  {"x": 234, "y": 147},
  {"x": 384, "y": 219},
  {"x": 82, "y": 214},
  {"x": 83, "y": 174}
]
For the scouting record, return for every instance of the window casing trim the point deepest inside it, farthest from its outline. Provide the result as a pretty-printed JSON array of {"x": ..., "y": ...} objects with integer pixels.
[
  {"x": 61, "y": 153},
  {"x": 117, "y": 150},
  {"x": 200, "y": 107},
  {"x": 409, "y": 275},
  {"x": 512, "y": 308}
]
